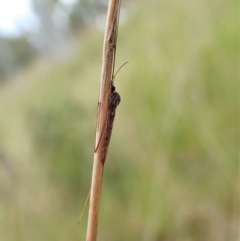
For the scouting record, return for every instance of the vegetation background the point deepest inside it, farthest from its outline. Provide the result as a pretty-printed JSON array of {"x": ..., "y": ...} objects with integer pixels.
[{"x": 172, "y": 171}]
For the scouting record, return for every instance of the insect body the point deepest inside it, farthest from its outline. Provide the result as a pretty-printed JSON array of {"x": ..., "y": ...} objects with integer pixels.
[{"x": 113, "y": 102}]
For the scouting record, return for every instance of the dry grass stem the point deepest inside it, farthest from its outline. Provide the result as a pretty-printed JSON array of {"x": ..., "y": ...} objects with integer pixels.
[{"x": 109, "y": 50}]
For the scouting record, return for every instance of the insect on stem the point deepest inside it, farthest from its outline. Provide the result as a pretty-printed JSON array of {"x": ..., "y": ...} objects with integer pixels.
[{"x": 113, "y": 101}]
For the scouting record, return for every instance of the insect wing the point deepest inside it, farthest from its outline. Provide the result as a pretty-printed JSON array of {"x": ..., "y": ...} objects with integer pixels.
[{"x": 114, "y": 101}]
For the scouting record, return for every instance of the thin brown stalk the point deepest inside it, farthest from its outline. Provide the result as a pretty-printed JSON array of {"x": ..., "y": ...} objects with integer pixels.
[{"x": 109, "y": 51}]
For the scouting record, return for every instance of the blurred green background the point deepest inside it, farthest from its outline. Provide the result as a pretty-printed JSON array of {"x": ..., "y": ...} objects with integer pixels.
[{"x": 172, "y": 171}]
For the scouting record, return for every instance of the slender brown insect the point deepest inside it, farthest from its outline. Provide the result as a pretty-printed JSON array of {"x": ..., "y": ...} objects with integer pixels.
[{"x": 113, "y": 101}]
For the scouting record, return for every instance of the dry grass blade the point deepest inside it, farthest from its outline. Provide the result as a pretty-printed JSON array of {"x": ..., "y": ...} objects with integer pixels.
[{"x": 108, "y": 101}]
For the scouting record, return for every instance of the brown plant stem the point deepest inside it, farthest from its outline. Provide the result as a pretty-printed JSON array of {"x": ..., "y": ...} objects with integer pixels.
[{"x": 109, "y": 50}]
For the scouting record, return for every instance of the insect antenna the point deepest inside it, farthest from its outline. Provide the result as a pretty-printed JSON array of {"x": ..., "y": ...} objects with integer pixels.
[{"x": 118, "y": 70}]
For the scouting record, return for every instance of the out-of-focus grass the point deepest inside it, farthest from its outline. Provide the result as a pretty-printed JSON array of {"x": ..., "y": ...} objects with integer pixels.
[{"x": 172, "y": 169}]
